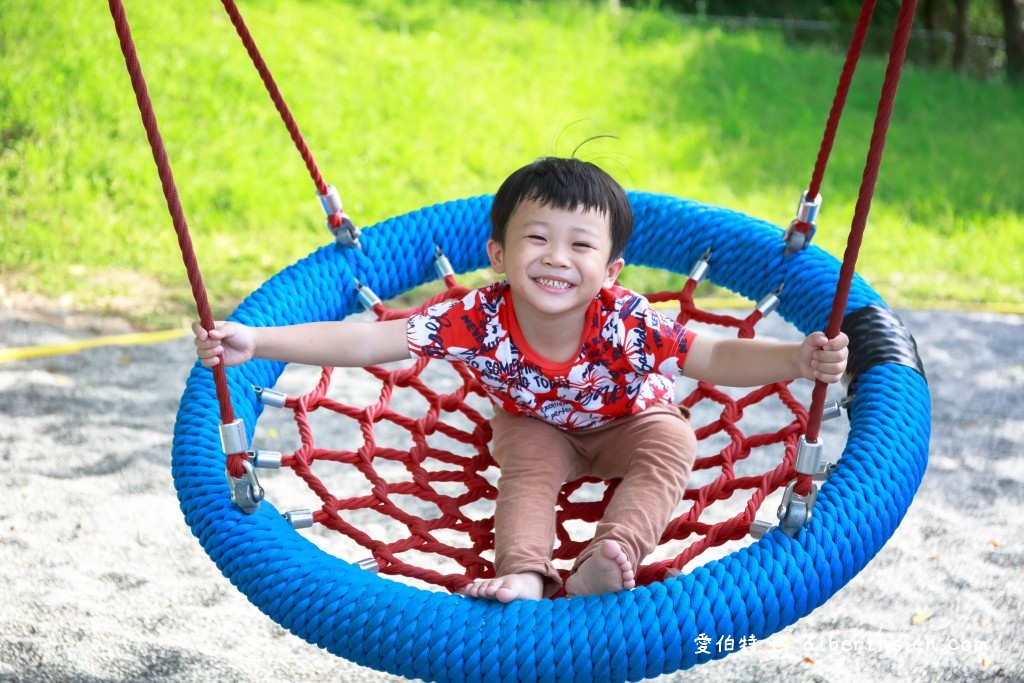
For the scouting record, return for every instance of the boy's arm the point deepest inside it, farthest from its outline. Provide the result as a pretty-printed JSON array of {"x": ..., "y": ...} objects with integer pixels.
[
  {"x": 756, "y": 362},
  {"x": 337, "y": 344}
]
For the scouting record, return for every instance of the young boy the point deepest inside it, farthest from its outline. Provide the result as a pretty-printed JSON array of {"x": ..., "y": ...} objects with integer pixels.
[{"x": 580, "y": 372}]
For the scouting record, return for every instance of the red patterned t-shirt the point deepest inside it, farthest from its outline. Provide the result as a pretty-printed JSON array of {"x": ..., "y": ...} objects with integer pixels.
[{"x": 629, "y": 354}]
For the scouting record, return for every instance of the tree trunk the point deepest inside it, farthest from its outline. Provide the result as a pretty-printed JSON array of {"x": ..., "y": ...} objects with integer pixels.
[
  {"x": 962, "y": 32},
  {"x": 930, "y": 12},
  {"x": 1014, "y": 33}
]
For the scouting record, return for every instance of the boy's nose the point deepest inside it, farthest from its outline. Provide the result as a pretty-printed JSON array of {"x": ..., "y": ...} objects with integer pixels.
[{"x": 556, "y": 255}]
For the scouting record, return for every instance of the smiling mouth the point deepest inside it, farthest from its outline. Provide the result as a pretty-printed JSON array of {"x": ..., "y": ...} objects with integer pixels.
[{"x": 553, "y": 284}]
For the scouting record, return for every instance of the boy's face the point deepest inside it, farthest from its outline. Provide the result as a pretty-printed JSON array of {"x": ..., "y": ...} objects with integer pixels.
[{"x": 555, "y": 260}]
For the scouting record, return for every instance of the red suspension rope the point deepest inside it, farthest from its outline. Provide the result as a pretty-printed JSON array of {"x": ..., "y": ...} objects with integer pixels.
[
  {"x": 156, "y": 143},
  {"x": 897, "y": 54},
  {"x": 839, "y": 102},
  {"x": 275, "y": 94},
  {"x": 867, "y": 9}
]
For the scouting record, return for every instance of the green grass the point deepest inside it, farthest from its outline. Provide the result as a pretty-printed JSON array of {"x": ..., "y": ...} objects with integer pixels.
[{"x": 409, "y": 103}]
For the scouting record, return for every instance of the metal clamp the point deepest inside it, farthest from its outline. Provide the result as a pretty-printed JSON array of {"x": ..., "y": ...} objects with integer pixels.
[
  {"x": 300, "y": 519},
  {"x": 266, "y": 460},
  {"x": 800, "y": 232},
  {"x": 808, "y": 455},
  {"x": 232, "y": 437},
  {"x": 442, "y": 266},
  {"x": 346, "y": 234},
  {"x": 810, "y": 459},
  {"x": 701, "y": 267},
  {"x": 769, "y": 303},
  {"x": 795, "y": 510},
  {"x": 331, "y": 202},
  {"x": 367, "y": 297},
  {"x": 369, "y": 565},
  {"x": 807, "y": 212},
  {"x": 834, "y": 408},
  {"x": 825, "y": 470},
  {"x": 246, "y": 491},
  {"x": 270, "y": 397},
  {"x": 758, "y": 528}
]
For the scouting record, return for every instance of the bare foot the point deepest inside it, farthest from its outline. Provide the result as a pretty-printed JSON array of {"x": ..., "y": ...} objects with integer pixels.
[
  {"x": 525, "y": 586},
  {"x": 606, "y": 571}
]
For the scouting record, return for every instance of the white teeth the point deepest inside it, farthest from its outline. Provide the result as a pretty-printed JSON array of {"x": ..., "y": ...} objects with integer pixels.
[{"x": 554, "y": 284}]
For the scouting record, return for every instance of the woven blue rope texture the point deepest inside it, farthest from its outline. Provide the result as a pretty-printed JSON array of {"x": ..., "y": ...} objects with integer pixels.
[{"x": 646, "y": 632}]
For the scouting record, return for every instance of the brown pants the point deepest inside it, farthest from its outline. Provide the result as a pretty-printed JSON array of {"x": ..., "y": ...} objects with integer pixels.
[{"x": 652, "y": 452}]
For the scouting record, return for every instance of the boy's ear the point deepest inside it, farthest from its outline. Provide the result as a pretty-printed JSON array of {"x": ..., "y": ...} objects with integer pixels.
[
  {"x": 496, "y": 253},
  {"x": 612, "y": 274}
]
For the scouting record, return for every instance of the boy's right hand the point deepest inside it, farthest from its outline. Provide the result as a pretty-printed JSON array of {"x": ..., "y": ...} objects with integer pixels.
[{"x": 236, "y": 342}]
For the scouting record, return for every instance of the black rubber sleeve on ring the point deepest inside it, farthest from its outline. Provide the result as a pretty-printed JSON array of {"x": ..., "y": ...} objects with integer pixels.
[{"x": 878, "y": 336}]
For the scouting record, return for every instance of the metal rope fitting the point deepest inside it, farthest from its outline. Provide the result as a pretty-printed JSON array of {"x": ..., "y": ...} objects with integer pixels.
[
  {"x": 825, "y": 470},
  {"x": 246, "y": 491},
  {"x": 442, "y": 266},
  {"x": 369, "y": 565},
  {"x": 267, "y": 460},
  {"x": 834, "y": 408},
  {"x": 330, "y": 201},
  {"x": 232, "y": 437},
  {"x": 270, "y": 397},
  {"x": 795, "y": 510},
  {"x": 810, "y": 460},
  {"x": 769, "y": 303},
  {"x": 800, "y": 232},
  {"x": 701, "y": 267},
  {"x": 807, "y": 212},
  {"x": 367, "y": 297},
  {"x": 347, "y": 234},
  {"x": 809, "y": 456},
  {"x": 758, "y": 528},
  {"x": 300, "y": 519}
]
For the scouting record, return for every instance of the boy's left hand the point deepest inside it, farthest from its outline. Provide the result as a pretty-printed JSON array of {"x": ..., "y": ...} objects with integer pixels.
[{"x": 823, "y": 358}]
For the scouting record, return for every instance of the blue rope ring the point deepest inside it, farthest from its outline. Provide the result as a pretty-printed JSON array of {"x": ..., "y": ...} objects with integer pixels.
[{"x": 645, "y": 632}]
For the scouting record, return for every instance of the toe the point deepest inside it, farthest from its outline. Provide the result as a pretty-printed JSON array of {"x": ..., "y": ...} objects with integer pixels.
[{"x": 611, "y": 550}]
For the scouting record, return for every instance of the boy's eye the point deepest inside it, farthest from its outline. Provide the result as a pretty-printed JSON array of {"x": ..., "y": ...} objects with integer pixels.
[
  {"x": 535, "y": 238},
  {"x": 582, "y": 245}
]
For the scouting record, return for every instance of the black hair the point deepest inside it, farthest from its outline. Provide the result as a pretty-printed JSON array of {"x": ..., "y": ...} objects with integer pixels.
[{"x": 565, "y": 184}]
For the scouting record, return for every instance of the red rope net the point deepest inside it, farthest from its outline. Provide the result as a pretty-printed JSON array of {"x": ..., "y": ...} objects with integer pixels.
[{"x": 435, "y": 482}]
